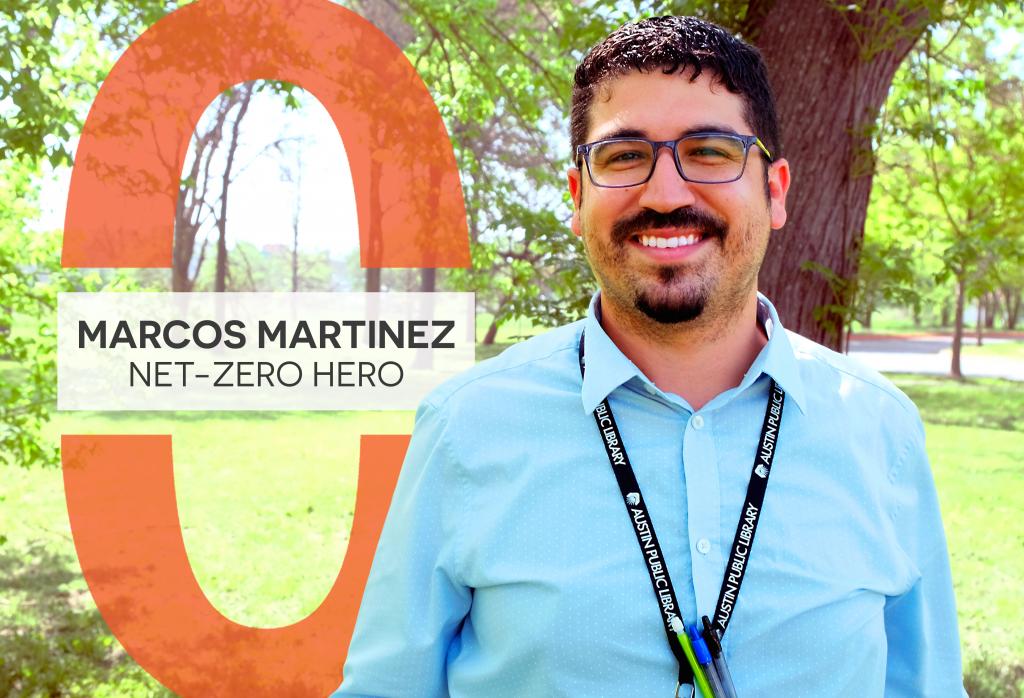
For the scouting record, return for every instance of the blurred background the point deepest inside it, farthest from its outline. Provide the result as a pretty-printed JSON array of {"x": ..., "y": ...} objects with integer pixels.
[{"x": 905, "y": 248}]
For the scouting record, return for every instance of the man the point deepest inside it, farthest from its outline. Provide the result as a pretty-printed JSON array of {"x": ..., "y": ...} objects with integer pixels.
[{"x": 518, "y": 557}]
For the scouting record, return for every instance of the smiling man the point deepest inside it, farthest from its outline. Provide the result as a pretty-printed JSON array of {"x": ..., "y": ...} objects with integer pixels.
[{"x": 675, "y": 462}]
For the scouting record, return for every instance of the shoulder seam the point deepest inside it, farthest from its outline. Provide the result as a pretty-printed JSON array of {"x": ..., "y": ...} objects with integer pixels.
[
  {"x": 898, "y": 397},
  {"x": 450, "y": 394}
]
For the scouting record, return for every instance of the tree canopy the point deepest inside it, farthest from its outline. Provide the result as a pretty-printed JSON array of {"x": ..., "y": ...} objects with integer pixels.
[{"x": 930, "y": 140}]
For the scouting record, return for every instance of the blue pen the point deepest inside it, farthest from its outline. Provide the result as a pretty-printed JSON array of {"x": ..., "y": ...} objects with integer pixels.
[
  {"x": 704, "y": 659},
  {"x": 714, "y": 642}
]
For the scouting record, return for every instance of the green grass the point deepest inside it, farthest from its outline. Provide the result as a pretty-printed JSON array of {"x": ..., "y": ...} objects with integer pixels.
[
  {"x": 266, "y": 501},
  {"x": 990, "y": 403},
  {"x": 486, "y": 351},
  {"x": 1002, "y": 349},
  {"x": 978, "y": 475},
  {"x": 510, "y": 331},
  {"x": 975, "y": 441},
  {"x": 896, "y": 320}
]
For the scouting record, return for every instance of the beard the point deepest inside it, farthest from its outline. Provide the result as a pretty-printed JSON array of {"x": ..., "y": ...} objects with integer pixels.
[
  {"x": 680, "y": 292},
  {"x": 668, "y": 308}
]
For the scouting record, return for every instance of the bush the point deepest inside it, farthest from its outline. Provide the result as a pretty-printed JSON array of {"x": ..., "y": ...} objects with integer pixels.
[{"x": 991, "y": 676}]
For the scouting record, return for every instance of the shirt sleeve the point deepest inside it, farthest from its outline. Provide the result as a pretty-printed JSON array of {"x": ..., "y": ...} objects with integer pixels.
[
  {"x": 414, "y": 603},
  {"x": 923, "y": 657}
]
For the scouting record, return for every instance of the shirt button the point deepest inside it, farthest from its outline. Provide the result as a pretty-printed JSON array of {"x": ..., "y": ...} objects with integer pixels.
[
  {"x": 650, "y": 389},
  {"x": 703, "y": 546},
  {"x": 697, "y": 422}
]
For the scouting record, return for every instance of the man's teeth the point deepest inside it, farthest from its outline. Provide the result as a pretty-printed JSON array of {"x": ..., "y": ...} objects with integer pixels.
[{"x": 682, "y": 241}]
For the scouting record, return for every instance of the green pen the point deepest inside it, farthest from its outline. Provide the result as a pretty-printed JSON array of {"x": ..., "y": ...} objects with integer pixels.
[{"x": 698, "y": 671}]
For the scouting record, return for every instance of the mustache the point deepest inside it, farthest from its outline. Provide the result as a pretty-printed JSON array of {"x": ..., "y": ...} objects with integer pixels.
[{"x": 708, "y": 224}]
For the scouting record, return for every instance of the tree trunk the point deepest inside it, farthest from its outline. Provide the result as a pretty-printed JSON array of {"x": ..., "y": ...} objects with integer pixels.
[
  {"x": 428, "y": 275},
  {"x": 958, "y": 329},
  {"x": 944, "y": 319},
  {"x": 184, "y": 243},
  {"x": 295, "y": 256},
  {"x": 6, "y": 313},
  {"x": 980, "y": 322},
  {"x": 220, "y": 281},
  {"x": 492, "y": 332},
  {"x": 428, "y": 280},
  {"x": 831, "y": 70},
  {"x": 296, "y": 215},
  {"x": 374, "y": 252},
  {"x": 991, "y": 309},
  {"x": 1013, "y": 302},
  {"x": 192, "y": 199}
]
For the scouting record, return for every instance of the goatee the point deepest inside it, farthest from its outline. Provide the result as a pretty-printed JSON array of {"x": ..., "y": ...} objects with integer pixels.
[{"x": 670, "y": 308}]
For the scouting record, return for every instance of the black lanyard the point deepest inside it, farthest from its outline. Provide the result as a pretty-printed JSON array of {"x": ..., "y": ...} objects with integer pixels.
[{"x": 643, "y": 527}]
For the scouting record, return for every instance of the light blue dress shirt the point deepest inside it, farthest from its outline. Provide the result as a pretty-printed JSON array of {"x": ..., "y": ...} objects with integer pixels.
[{"x": 508, "y": 565}]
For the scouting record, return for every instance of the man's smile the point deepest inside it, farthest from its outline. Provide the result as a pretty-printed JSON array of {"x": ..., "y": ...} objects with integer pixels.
[
  {"x": 670, "y": 242},
  {"x": 656, "y": 230},
  {"x": 667, "y": 245}
]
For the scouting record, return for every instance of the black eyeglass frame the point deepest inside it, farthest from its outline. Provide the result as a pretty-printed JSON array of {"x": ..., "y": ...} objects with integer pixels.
[{"x": 583, "y": 150}]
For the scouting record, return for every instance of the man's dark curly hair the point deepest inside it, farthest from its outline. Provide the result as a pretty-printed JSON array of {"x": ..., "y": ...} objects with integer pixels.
[{"x": 675, "y": 44}]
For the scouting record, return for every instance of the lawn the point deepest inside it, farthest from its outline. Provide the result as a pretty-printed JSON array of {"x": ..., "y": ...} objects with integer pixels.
[
  {"x": 509, "y": 332},
  {"x": 975, "y": 440},
  {"x": 266, "y": 501},
  {"x": 1005, "y": 349}
]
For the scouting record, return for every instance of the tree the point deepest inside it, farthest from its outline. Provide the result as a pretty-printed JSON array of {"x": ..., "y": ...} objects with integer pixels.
[
  {"x": 500, "y": 93},
  {"x": 831, "y": 63},
  {"x": 270, "y": 268},
  {"x": 26, "y": 355},
  {"x": 206, "y": 183},
  {"x": 196, "y": 199},
  {"x": 292, "y": 172},
  {"x": 957, "y": 111},
  {"x": 55, "y": 52},
  {"x": 30, "y": 279},
  {"x": 244, "y": 100}
]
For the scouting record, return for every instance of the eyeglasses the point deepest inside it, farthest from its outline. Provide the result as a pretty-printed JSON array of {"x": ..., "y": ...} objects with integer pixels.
[{"x": 702, "y": 158}]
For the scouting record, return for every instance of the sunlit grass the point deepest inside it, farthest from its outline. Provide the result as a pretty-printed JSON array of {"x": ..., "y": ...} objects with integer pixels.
[
  {"x": 996, "y": 348},
  {"x": 266, "y": 502}
]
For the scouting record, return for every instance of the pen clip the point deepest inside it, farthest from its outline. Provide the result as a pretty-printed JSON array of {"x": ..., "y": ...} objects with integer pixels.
[
  {"x": 712, "y": 638},
  {"x": 693, "y": 689}
]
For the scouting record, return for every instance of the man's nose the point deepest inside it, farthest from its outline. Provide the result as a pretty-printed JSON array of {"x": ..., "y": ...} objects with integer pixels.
[{"x": 666, "y": 190}]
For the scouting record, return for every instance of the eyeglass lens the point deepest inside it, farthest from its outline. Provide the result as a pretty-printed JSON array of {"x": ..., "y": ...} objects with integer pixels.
[{"x": 708, "y": 159}]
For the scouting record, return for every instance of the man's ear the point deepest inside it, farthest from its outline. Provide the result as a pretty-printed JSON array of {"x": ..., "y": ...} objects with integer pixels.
[
  {"x": 778, "y": 185},
  {"x": 576, "y": 192}
]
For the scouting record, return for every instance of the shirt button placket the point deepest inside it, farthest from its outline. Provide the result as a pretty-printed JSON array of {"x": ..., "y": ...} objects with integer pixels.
[{"x": 701, "y": 466}]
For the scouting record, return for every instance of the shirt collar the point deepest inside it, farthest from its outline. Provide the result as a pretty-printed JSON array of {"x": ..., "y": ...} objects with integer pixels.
[{"x": 608, "y": 367}]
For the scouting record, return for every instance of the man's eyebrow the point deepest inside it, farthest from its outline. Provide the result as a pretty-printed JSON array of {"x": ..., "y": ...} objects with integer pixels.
[
  {"x": 699, "y": 128},
  {"x": 710, "y": 128},
  {"x": 623, "y": 133}
]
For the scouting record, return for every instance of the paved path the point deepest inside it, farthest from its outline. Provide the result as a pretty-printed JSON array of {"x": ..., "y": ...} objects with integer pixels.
[{"x": 929, "y": 354}]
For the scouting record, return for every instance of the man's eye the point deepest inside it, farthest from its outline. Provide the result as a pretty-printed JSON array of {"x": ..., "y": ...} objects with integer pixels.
[
  {"x": 707, "y": 153},
  {"x": 622, "y": 158},
  {"x": 710, "y": 152},
  {"x": 626, "y": 156}
]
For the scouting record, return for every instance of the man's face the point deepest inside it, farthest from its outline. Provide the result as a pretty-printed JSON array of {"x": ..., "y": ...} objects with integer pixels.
[{"x": 720, "y": 231}]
